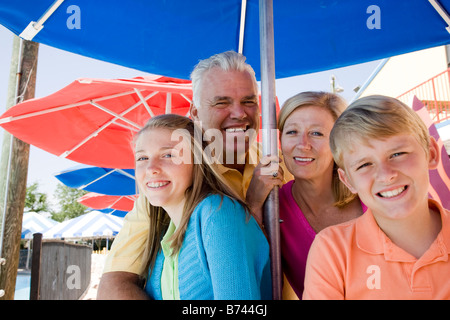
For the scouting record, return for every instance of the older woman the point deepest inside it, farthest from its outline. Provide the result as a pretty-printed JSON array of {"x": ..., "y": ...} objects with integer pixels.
[{"x": 316, "y": 198}]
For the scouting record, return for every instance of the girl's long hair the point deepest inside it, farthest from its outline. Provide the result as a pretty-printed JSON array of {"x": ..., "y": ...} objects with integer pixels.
[{"x": 206, "y": 180}]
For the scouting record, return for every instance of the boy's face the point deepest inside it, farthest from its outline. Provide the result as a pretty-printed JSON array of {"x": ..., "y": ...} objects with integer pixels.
[{"x": 391, "y": 175}]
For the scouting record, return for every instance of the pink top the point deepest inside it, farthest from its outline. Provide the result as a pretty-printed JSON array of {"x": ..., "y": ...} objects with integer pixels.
[{"x": 297, "y": 236}]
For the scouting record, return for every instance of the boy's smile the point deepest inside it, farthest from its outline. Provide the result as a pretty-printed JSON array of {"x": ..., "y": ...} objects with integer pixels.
[{"x": 392, "y": 192}]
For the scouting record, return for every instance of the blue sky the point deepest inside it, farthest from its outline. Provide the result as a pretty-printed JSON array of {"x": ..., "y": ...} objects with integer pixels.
[{"x": 57, "y": 68}]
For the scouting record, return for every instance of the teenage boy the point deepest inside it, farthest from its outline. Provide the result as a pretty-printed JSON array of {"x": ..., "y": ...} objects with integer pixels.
[{"x": 398, "y": 249}]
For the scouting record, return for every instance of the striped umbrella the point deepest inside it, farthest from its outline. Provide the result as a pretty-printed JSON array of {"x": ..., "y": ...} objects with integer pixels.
[
  {"x": 33, "y": 223},
  {"x": 94, "y": 224}
]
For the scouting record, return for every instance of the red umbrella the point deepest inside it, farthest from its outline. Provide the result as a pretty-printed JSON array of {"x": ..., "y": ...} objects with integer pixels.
[
  {"x": 92, "y": 121},
  {"x": 101, "y": 201}
]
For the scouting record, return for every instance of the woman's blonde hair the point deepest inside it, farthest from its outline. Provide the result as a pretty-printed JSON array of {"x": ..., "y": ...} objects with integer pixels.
[
  {"x": 333, "y": 104},
  {"x": 206, "y": 180},
  {"x": 375, "y": 117}
]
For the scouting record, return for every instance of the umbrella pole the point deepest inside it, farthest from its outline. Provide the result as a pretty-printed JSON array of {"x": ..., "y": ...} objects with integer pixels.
[{"x": 270, "y": 142}]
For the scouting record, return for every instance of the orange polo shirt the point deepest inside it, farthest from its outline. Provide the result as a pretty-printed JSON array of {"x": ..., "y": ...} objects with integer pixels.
[{"x": 356, "y": 260}]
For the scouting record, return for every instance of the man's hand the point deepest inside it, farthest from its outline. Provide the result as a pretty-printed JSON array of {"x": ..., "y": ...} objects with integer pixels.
[
  {"x": 120, "y": 286},
  {"x": 268, "y": 174}
]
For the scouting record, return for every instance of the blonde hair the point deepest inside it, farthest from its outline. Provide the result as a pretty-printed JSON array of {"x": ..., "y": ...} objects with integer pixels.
[
  {"x": 206, "y": 180},
  {"x": 375, "y": 117},
  {"x": 333, "y": 104}
]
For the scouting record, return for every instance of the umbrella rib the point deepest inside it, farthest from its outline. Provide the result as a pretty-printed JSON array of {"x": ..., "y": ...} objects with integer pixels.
[
  {"x": 33, "y": 28},
  {"x": 118, "y": 199},
  {"x": 442, "y": 12},
  {"x": 115, "y": 115},
  {"x": 96, "y": 132},
  {"x": 93, "y": 181},
  {"x": 144, "y": 100},
  {"x": 65, "y": 154},
  {"x": 186, "y": 98},
  {"x": 60, "y": 108},
  {"x": 168, "y": 102},
  {"x": 125, "y": 173},
  {"x": 37, "y": 113},
  {"x": 126, "y": 127},
  {"x": 242, "y": 26}
]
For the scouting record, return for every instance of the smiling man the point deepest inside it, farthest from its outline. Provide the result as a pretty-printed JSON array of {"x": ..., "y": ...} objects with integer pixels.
[{"x": 228, "y": 101}]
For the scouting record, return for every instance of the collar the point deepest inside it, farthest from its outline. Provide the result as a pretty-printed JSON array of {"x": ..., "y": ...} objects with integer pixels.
[
  {"x": 371, "y": 239},
  {"x": 251, "y": 160}
]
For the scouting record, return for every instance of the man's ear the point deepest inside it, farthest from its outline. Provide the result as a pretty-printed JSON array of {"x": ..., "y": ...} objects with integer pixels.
[
  {"x": 345, "y": 180},
  {"x": 193, "y": 112},
  {"x": 434, "y": 154}
]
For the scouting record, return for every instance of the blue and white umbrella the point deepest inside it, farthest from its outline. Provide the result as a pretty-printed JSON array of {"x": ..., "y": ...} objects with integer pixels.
[
  {"x": 94, "y": 224},
  {"x": 113, "y": 182},
  {"x": 33, "y": 223}
]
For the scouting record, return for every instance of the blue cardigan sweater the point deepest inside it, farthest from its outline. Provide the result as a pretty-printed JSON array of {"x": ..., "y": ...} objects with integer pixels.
[{"x": 224, "y": 256}]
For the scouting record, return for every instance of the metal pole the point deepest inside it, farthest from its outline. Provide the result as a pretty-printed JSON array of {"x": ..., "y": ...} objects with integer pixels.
[{"x": 270, "y": 140}]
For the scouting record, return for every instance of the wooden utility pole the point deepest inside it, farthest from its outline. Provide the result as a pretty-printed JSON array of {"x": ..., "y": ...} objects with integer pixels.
[{"x": 16, "y": 177}]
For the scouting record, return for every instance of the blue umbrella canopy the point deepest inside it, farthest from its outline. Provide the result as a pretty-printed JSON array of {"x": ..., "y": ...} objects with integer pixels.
[
  {"x": 169, "y": 37},
  {"x": 114, "y": 182},
  {"x": 299, "y": 37}
]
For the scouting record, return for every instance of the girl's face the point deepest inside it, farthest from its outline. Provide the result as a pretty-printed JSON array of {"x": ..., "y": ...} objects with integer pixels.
[
  {"x": 163, "y": 169},
  {"x": 304, "y": 143}
]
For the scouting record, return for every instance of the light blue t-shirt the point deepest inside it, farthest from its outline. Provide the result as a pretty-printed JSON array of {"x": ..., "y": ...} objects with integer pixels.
[{"x": 224, "y": 256}]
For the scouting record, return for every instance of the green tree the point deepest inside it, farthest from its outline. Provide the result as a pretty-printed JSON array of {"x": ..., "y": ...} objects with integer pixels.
[
  {"x": 36, "y": 201},
  {"x": 67, "y": 200}
]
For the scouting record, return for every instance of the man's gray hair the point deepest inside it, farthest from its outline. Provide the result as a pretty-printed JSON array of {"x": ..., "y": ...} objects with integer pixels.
[{"x": 227, "y": 61}]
